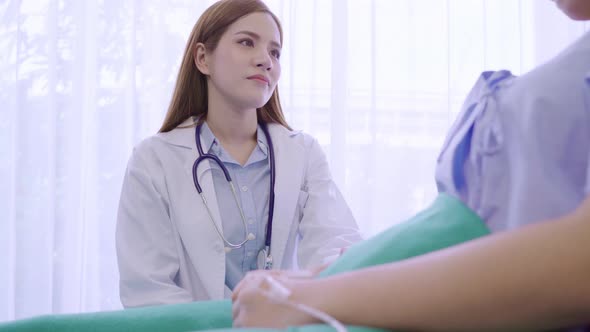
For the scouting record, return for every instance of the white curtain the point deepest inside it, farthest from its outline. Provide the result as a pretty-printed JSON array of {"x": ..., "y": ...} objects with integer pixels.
[{"x": 81, "y": 82}]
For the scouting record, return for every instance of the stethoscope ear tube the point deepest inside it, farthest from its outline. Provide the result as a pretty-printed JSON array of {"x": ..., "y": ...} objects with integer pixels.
[
  {"x": 196, "y": 164},
  {"x": 271, "y": 196},
  {"x": 203, "y": 156}
]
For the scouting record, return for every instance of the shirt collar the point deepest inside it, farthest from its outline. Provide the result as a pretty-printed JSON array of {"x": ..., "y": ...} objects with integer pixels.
[
  {"x": 208, "y": 138},
  {"x": 212, "y": 143}
]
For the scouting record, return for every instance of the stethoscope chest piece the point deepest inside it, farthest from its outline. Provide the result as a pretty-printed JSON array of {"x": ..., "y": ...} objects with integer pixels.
[{"x": 264, "y": 260}]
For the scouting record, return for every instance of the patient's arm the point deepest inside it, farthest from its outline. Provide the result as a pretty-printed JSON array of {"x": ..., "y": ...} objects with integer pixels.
[{"x": 535, "y": 277}]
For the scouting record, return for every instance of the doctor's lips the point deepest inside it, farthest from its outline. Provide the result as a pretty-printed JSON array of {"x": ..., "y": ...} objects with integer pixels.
[{"x": 260, "y": 78}]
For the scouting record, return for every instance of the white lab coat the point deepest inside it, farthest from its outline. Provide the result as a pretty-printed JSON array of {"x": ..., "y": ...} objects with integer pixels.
[{"x": 167, "y": 247}]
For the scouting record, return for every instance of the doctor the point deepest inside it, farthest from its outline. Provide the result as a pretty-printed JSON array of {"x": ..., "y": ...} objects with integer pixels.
[{"x": 226, "y": 186}]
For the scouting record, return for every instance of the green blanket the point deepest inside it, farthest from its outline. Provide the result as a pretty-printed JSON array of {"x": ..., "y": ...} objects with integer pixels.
[
  {"x": 176, "y": 317},
  {"x": 445, "y": 223}
]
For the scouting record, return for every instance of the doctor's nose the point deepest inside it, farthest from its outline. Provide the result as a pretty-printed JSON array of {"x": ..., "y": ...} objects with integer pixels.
[{"x": 264, "y": 61}]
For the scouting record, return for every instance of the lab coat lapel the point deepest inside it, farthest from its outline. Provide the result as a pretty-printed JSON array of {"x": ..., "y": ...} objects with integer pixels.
[
  {"x": 204, "y": 245},
  {"x": 205, "y": 177},
  {"x": 198, "y": 234},
  {"x": 289, "y": 160},
  {"x": 185, "y": 137}
]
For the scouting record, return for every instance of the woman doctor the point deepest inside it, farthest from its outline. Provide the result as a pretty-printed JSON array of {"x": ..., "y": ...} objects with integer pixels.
[{"x": 183, "y": 232}]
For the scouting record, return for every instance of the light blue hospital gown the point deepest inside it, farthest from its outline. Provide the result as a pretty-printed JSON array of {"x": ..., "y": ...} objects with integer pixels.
[{"x": 519, "y": 151}]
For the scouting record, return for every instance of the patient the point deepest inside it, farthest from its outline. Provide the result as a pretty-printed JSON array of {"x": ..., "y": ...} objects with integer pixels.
[{"x": 518, "y": 156}]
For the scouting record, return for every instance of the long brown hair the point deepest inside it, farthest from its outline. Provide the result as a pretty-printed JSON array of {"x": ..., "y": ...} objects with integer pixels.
[{"x": 190, "y": 93}]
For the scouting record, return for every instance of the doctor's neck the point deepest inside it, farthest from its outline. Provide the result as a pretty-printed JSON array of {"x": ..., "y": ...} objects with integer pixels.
[{"x": 232, "y": 126}]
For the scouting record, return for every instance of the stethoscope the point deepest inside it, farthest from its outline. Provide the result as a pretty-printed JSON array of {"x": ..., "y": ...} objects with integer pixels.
[{"x": 264, "y": 258}]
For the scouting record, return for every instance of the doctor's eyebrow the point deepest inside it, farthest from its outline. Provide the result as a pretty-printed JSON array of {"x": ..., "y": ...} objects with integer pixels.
[{"x": 257, "y": 37}]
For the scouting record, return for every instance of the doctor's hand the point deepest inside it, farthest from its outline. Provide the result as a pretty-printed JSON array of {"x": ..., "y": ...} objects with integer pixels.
[{"x": 254, "y": 306}]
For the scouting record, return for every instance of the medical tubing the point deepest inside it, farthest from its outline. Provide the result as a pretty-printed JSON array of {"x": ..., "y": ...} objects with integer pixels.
[
  {"x": 280, "y": 294},
  {"x": 318, "y": 315}
]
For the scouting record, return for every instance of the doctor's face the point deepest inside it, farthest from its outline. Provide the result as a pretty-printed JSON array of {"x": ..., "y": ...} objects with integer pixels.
[
  {"x": 244, "y": 68},
  {"x": 576, "y": 9}
]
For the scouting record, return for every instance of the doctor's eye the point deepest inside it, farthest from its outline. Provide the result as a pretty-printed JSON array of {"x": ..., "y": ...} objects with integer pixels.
[
  {"x": 246, "y": 42},
  {"x": 276, "y": 54}
]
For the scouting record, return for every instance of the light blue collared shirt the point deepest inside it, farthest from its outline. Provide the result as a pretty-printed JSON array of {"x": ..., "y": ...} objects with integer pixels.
[
  {"x": 519, "y": 152},
  {"x": 252, "y": 183}
]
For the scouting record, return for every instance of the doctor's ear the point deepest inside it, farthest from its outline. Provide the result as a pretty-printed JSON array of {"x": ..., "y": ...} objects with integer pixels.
[{"x": 200, "y": 58}]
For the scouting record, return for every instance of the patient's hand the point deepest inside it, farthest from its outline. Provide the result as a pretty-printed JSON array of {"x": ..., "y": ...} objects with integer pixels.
[{"x": 252, "y": 306}]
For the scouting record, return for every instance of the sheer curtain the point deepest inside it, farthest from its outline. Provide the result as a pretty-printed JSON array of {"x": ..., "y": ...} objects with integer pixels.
[{"x": 81, "y": 82}]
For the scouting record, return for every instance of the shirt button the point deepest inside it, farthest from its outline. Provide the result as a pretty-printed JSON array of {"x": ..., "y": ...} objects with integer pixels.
[
  {"x": 250, "y": 221},
  {"x": 251, "y": 236},
  {"x": 249, "y": 254},
  {"x": 244, "y": 188}
]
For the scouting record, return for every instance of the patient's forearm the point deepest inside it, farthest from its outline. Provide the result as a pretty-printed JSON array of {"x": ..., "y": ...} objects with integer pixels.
[{"x": 535, "y": 277}]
